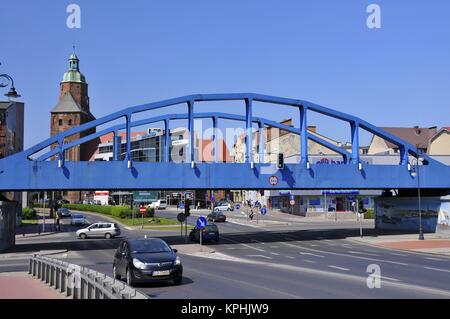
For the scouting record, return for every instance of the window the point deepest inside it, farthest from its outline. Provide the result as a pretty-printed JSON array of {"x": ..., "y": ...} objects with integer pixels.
[
  {"x": 70, "y": 122},
  {"x": 60, "y": 122}
]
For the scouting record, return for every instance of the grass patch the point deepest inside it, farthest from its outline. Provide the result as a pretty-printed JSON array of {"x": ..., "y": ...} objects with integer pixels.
[
  {"x": 26, "y": 222},
  {"x": 370, "y": 214},
  {"x": 155, "y": 221}
]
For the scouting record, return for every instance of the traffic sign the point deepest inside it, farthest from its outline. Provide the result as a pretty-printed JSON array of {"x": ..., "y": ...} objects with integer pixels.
[
  {"x": 201, "y": 222},
  {"x": 263, "y": 211},
  {"x": 181, "y": 217},
  {"x": 238, "y": 206},
  {"x": 181, "y": 206},
  {"x": 273, "y": 180},
  {"x": 142, "y": 210},
  {"x": 292, "y": 197},
  {"x": 292, "y": 202}
]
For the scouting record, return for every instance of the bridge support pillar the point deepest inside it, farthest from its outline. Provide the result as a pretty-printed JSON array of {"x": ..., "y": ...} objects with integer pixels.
[
  {"x": 304, "y": 136},
  {"x": 248, "y": 126},
  {"x": 117, "y": 145},
  {"x": 355, "y": 142}
]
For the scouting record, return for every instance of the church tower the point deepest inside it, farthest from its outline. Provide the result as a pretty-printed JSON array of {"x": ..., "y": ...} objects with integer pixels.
[{"x": 72, "y": 110}]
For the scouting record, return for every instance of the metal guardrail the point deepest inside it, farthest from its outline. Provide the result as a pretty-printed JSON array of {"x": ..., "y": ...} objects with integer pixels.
[{"x": 79, "y": 282}]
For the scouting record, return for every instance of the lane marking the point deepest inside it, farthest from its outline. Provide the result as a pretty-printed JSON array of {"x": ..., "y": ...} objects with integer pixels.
[
  {"x": 261, "y": 256},
  {"x": 397, "y": 254},
  {"x": 245, "y": 245},
  {"x": 309, "y": 261},
  {"x": 274, "y": 246},
  {"x": 432, "y": 258},
  {"x": 437, "y": 269},
  {"x": 390, "y": 278},
  {"x": 347, "y": 255},
  {"x": 275, "y": 254},
  {"x": 339, "y": 268},
  {"x": 362, "y": 253},
  {"x": 311, "y": 254}
]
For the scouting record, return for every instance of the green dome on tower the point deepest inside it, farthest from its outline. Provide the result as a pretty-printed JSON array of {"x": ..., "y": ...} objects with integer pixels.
[{"x": 74, "y": 74}]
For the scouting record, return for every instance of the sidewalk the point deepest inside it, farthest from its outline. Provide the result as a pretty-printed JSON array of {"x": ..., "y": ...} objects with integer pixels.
[
  {"x": 20, "y": 285},
  {"x": 433, "y": 243}
]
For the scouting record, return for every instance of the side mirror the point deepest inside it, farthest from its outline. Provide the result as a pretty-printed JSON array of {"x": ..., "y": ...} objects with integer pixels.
[{"x": 175, "y": 250}]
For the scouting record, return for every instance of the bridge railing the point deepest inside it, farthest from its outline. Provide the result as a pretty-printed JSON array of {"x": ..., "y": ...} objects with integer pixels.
[
  {"x": 304, "y": 107},
  {"x": 79, "y": 282}
]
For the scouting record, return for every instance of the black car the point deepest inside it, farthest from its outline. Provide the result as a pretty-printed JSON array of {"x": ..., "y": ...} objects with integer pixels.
[
  {"x": 147, "y": 260},
  {"x": 209, "y": 233},
  {"x": 217, "y": 216}
]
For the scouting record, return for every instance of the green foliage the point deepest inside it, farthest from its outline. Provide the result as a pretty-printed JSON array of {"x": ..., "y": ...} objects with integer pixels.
[
  {"x": 28, "y": 214},
  {"x": 116, "y": 211},
  {"x": 370, "y": 214},
  {"x": 150, "y": 212}
]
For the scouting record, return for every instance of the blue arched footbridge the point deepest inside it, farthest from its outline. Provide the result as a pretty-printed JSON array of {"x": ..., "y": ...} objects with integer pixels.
[{"x": 51, "y": 171}]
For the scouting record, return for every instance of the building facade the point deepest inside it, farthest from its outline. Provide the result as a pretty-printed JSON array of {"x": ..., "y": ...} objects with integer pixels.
[
  {"x": 72, "y": 110},
  {"x": 11, "y": 142}
]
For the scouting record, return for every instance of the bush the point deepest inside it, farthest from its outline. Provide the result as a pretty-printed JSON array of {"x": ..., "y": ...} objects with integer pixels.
[
  {"x": 370, "y": 214},
  {"x": 28, "y": 213},
  {"x": 150, "y": 212}
]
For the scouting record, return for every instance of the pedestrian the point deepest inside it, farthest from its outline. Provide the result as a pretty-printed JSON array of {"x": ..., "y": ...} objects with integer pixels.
[{"x": 58, "y": 226}]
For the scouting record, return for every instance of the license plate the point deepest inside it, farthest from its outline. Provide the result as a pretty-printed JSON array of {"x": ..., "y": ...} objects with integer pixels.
[
  {"x": 212, "y": 234},
  {"x": 161, "y": 273}
]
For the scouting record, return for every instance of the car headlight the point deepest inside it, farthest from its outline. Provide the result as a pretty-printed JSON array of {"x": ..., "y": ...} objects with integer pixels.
[
  {"x": 138, "y": 264},
  {"x": 177, "y": 261}
]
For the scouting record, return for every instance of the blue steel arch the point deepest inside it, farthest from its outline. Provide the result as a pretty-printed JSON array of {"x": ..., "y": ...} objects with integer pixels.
[{"x": 20, "y": 172}]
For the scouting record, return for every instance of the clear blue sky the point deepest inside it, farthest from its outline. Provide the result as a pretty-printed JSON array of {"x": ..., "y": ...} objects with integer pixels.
[{"x": 134, "y": 52}]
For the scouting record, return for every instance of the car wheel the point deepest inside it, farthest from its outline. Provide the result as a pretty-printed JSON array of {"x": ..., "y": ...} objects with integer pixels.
[
  {"x": 83, "y": 236},
  {"x": 177, "y": 281},
  {"x": 115, "y": 274},
  {"x": 108, "y": 236},
  {"x": 130, "y": 281}
]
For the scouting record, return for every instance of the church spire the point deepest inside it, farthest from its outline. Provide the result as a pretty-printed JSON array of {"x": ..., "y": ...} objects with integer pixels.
[{"x": 74, "y": 74}]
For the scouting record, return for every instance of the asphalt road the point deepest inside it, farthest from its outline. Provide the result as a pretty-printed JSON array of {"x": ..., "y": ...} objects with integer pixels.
[{"x": 299, "y": 260}]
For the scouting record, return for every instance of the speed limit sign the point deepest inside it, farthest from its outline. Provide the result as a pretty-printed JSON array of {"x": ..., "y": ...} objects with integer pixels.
[{"x": 273, "y": 180}]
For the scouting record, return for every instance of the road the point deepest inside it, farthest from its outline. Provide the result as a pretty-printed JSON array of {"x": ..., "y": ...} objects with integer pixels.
[{"x": 293, "y": 260}]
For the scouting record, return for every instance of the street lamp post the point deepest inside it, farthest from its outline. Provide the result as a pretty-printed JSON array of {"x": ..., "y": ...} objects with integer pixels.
[
  {"x": 12, "y": 91},
  {"x": 415, "y": 173}
]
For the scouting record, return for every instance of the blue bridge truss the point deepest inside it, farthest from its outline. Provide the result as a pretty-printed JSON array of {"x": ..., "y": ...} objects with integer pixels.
[{"x": 50, "y": 170}]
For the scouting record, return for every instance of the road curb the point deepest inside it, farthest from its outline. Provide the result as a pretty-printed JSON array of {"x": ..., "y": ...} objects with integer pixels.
[{"x": 41, "y": 253}]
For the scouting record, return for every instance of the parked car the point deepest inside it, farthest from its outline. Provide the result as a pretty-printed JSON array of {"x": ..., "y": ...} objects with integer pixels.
[
  {"x": 106, "y": 230},
  {"x": 209, "y": 233},
  {"x": 224, "y": 206},
  {"x": 217, "y": 216},
  {"x": 78, "y": 220},
  {"x": 147, "y": 260},
  {"x": 159, "y": 204},
  {"x": 64, "y": 212}
]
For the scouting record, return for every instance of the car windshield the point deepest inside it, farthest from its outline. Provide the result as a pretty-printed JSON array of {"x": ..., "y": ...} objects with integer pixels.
[
  {"x": 77, "y": 216},
  {"x": 211, "y": 228},
  {"x": 148, "y": 246}
]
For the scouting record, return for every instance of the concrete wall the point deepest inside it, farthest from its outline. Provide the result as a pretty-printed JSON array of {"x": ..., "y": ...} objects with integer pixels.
[{"x": 8, "y": 211}]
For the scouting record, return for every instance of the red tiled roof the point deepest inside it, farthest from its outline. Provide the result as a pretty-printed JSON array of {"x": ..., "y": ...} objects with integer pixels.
[{"x": 414, "y": 135}]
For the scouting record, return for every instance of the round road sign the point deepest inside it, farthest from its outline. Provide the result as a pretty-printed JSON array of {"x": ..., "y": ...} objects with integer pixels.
[
  {"x": 181, "y": 217},
  {"x": 292, "y": 202},
  {"x": 142, "y": 210},
  {"x": 201, "y": 222},
  {"x": 273, "y": 180},
  {"x": 238, "y": 206},
  {"x": 263, "y": 211}
]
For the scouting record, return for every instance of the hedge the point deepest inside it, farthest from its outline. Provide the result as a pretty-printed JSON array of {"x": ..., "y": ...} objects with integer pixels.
[
  {"x": 28, "y": 214},
  {"x": 116, "y": 211},
  {"x": 370, "y": 214}
]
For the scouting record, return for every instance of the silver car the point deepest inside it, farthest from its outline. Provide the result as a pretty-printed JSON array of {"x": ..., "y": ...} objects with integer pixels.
[
  {"x": 102, "y": 229},
  {"x": 78, "y": 220}
]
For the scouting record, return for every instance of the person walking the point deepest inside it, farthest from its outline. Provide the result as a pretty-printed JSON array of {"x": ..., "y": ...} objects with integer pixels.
[{"x": 58, "y": 225}]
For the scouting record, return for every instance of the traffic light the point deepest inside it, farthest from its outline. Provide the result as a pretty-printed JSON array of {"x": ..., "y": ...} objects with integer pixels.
[{"x": 280, "y": 161}]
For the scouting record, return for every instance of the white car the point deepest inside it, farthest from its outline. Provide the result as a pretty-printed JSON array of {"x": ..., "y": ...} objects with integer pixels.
[
  {"x": 159, "y": 204},
  {"x": 78, "y": 220},
  {"x": 224, "y": 206},
  {"x": 102, "y": 229}
]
